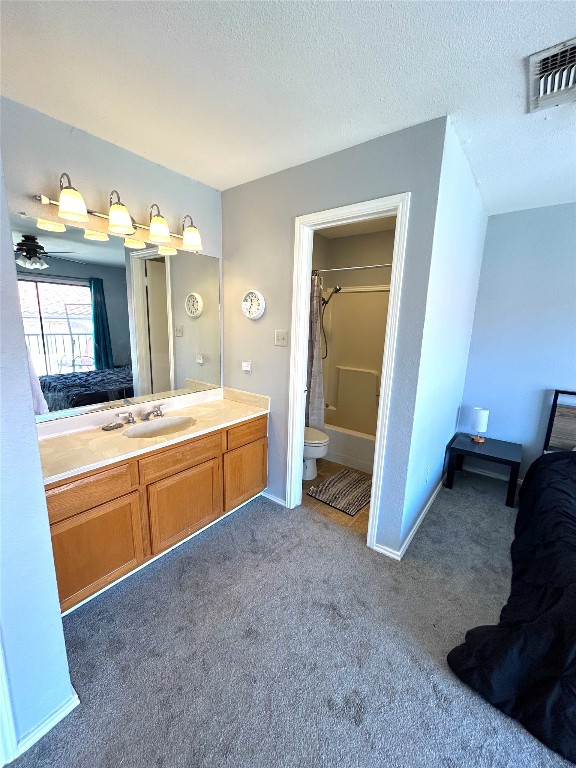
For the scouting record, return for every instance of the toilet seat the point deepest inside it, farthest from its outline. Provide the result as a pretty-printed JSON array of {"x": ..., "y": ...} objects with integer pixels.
[{"x": 314, "y": 436}]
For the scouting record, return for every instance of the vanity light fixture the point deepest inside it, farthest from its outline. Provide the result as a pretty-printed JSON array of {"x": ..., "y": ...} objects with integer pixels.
[
  {"x": 50, "y": 226},
  {"x": 119, "y": 220},
  {"x": 135, "y": 245},
  {"x": 92, "y": 234},
  {"x": 159, "y": 230},
  {"x": 167, "y": 250},
  {"x": 71, "y": 206},
  {"x": 190, "y": 236}
]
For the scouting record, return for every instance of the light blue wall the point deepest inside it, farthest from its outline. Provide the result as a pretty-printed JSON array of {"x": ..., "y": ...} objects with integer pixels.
[
  {"x": 455, "y": 268},
  {"x": 32, "y": 638},
  {"x": 258, "y": 246},
  {"x": 524, "y": 337},
  {"x": 36, "y": 149}
]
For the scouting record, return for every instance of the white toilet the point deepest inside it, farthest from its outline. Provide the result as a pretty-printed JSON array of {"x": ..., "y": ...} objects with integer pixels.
[{"x": 315, "y": 447}]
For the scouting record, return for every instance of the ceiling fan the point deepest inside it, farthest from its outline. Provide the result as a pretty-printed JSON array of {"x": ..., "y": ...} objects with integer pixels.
[{"x": 30, "y": 253}]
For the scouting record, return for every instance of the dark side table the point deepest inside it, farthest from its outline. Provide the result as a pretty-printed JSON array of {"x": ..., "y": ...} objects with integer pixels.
[{"x": 498, "y": 451}]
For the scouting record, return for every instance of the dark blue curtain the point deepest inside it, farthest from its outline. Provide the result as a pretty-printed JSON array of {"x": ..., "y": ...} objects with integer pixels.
[{"x": 102, "y": 345}]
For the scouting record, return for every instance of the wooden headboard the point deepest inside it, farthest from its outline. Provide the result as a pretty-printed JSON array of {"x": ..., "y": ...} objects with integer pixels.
[{"x": 561, "y": 432}]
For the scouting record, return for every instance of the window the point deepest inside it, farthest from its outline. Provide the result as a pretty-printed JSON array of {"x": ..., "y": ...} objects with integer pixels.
[{"x": 58, "y": 325}]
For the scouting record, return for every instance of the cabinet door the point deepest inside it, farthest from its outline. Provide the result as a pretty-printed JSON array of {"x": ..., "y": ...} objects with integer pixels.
[
  {"x": 184, "y": 503},
  {"x": 245, "y": 473},
  {"x": 96, "y": 547}
]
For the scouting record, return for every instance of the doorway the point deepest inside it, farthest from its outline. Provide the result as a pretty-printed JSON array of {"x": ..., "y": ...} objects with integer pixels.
[{"x": 305, "y": 227}]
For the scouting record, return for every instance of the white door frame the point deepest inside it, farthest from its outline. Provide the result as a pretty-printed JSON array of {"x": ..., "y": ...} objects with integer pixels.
[
  {"x": 305, "y": 226},
  {"x": 139, "y": 341}
]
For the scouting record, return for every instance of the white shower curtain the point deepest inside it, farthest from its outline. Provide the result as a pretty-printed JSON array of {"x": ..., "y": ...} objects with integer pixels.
[{"x": 315, "y": 383}]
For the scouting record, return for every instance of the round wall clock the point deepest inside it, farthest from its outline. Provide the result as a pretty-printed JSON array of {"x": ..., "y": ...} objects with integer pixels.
[
  {"x": 194, "y": 304},
  {"x": 253, "y": 304}
]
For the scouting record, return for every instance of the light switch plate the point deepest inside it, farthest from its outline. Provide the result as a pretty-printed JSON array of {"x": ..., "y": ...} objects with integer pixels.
[
  {"x": 280, "y": 338},
  {"x": 178, "y": 330},
  {"x": 200, "y": 358},
  {"x": 247, "y": 366}
]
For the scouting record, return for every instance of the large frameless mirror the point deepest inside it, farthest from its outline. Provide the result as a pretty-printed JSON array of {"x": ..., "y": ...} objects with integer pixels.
[{"x": 105, "y": 325}]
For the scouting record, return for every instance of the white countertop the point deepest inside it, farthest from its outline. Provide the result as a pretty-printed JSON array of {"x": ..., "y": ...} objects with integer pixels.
[{"x": 66, "y": 455}]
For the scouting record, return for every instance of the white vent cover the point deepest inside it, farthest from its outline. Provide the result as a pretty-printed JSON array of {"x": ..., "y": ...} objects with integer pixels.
[{"x": 552, "y": 76}]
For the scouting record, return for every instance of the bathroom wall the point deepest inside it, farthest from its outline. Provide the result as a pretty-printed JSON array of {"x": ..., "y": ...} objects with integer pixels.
[
  {"x": 258, "y": 242},
  {"x": 34, "y": 680}
]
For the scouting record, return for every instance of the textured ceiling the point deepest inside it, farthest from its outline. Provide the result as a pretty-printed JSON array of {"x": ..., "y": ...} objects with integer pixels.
[{"x": 227, "y": 92}]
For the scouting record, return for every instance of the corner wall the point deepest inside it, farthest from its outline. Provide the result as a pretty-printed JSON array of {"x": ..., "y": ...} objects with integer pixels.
[
  {"x": 524, "y": 338},
  {"x": 32, "y": 641},
  {"x": 258, "y": 245},
  {"x": 456, "y": 258}
]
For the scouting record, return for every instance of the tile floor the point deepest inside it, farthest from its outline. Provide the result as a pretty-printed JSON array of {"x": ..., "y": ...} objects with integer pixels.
[{"x": 358, "y": 523}]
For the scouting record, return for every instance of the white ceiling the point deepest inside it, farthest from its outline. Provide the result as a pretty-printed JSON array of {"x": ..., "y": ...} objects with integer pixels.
[{"x": 225, "y": 92}]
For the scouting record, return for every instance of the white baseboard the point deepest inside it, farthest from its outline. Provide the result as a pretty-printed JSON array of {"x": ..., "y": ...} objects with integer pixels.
[
  {"x": 46, "y": 725},
  {"x": 276, "y": 499},
  {"x": 398, "y": 554}
]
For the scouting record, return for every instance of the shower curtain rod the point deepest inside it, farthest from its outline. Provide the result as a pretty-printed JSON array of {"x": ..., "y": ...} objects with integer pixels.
[{"x": 346, "y": 269}]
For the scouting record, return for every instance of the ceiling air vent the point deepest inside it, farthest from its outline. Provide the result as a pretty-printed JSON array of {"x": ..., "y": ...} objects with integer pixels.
[{"x": 552, "y": 76}]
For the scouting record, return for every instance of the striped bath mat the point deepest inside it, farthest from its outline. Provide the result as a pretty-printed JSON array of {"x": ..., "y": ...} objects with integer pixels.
[{"x": 347, "y": 491}]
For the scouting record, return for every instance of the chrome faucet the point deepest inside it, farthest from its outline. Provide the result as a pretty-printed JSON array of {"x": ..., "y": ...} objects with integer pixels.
[
  {"x": 156, "y": 411},
  {"x": 129, "y": 417}
]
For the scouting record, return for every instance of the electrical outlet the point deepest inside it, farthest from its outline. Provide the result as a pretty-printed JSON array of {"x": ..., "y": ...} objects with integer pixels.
[
  {"x": 178, "y": 330},
  {"x": 200, "y": 358},
  {"x": 281, "y": 338},
  {"x": 247, "y": 366}
]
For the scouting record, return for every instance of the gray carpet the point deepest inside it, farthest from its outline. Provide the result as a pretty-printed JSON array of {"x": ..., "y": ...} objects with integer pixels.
[{"x": 277, "y": 639}]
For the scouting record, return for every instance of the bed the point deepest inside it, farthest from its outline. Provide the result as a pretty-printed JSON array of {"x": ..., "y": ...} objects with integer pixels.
[
  {"x": 71, "y": 390},
  {"x": 526, "y": 665}
]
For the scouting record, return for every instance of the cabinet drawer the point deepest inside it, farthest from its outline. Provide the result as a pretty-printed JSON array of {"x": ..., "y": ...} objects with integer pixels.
[
  {"x": 79, "y": 495},
  {"x": 184, "y": 503},
  {"x": 181, "y": 457},
  {"x": 94, "y": 548},
  {"x": 247, "y": 432}
]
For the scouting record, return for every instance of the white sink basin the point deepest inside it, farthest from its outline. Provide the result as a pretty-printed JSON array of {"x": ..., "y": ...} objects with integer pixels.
[{"x": 160, "y": 426}]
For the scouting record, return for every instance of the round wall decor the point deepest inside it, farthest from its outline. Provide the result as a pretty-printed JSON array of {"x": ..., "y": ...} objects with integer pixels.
[
  {"x": 253, "y": 304},
  {"x": 194, "y": 304}
]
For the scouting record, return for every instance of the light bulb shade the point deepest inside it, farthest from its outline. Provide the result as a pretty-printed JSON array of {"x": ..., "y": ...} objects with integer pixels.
[
  {"x": 42, "y": 264},
  {"x": 91, "y": 234},
  {"x": 159, "y": 231},
  {"x": 191, "y": 239},
  {"x": 71, "y": 205},
  {"x": 50, "y": 226},
  {"x": 479, "y": 420},
  {"x": 23, "y": 261},
  {"x": 119, "y": 220},
  {"x": 133, "y": 244},
  {"x": 167, "y": 250}
]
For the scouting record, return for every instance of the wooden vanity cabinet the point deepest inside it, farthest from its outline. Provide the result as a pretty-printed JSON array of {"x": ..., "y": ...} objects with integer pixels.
[
  {"x": 106, "y": 523},
  {"x": 245, "y": 462},
  {"x": 96, "y": 547},
  {"x": 184, "y": 503}
]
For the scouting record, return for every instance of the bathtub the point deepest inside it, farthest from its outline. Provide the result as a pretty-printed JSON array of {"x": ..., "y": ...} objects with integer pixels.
[{"x": 353, "y": 449}]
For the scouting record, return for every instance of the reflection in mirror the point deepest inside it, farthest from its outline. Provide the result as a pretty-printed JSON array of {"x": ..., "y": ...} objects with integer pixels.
[{"x": 104, "y": 324}]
